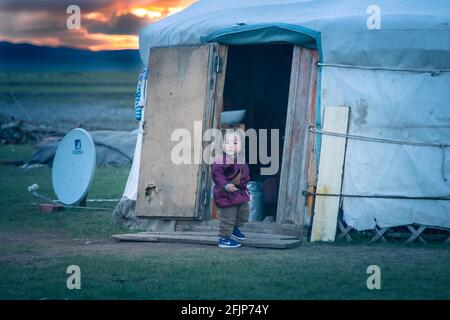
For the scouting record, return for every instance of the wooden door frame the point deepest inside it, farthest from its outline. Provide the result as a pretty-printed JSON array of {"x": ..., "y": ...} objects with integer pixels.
[
  {"x": 211, "y": 119},
  {"x": 298, "y": 171},
  {"x": 298, "y": 163}
]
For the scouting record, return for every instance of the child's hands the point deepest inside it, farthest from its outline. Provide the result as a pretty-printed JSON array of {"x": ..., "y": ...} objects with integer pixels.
[{"x": 230, "y": 187}]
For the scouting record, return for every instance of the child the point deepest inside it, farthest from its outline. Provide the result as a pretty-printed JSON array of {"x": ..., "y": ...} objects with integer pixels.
[{"x": 230, "y": 191}]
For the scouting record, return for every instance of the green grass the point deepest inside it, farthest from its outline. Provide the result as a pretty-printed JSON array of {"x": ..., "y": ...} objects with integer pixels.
[
  {"x": 68, "y": 83},
  {"x": 62, "y": 100},
  {"x": 36, "y": 249},
  {"x": 18, "y": 214},
  {"x": 18, "y": 152}
]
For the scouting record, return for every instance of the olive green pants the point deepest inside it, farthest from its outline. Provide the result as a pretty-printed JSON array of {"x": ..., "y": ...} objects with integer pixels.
[{"x": 232, "y": 217}]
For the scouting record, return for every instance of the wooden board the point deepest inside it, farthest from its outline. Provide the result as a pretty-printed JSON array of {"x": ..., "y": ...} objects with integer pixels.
[
  {"x": 251, "y": 235},
  {"x": 249, "y": 227},
  {"x": 208, "y": 239},
  {"x": 214, "y": 105},
  {"x": 331, "y": 164},
  {"x": 179, "y": 94},
  {"x": 295, "y": 168},
  {"x": 135, "y": 237}
]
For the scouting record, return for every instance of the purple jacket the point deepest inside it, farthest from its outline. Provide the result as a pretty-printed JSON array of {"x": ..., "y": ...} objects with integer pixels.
[{"x": 222, "y": 174}]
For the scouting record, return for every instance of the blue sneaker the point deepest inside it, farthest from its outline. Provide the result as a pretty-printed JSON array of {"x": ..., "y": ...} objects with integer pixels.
[
  {"x": 228, "y": 243},
  {"x": 238, "y": 235}
]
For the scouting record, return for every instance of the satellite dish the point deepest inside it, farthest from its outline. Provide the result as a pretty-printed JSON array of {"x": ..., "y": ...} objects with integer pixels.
[{"x": 74, "y": 167}]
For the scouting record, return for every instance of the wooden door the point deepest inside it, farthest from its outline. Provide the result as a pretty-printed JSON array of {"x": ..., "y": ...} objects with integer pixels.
[
  {"x": 183, "y": 84},
  {"x": 298, "y": 163}
]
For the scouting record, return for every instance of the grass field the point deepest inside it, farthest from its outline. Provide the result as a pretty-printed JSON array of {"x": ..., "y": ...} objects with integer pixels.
[
  {"x": 100, "y": 100},
  {"x": 36, "y": 249}
]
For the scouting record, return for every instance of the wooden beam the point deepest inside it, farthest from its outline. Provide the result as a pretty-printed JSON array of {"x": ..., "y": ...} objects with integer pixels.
[
  {"x": 330, "y": 174},
  {"x": 135, "y": 237},
  {"x": 255, "y": 227},
  {"x": 213, "y": 109},
  {"x": 416, "y": 234},
  {"x": 294, "y": 168},
  {"x": 344, "y": 231},
  {"x": 205, "y": 239},
  {"x": 250, "y": 235},
  {"x": 379, "y": 234}
]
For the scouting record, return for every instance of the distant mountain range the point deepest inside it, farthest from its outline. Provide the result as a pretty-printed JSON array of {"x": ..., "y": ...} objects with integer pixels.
[{"x": 28, "y": 57}]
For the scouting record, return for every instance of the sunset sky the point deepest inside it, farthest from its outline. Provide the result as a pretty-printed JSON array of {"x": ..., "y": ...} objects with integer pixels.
[{"x": 105, "y": 24}]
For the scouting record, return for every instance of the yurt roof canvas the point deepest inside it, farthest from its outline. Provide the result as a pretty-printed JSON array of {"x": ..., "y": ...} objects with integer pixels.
[{"x": 413, "y": 34}]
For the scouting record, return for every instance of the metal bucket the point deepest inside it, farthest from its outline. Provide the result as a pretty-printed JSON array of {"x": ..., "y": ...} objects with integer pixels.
[{"x": 256, "y": 203}]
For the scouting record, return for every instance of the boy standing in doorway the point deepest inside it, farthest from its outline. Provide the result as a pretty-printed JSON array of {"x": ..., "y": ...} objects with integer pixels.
[{"x": 230, "y": 191}]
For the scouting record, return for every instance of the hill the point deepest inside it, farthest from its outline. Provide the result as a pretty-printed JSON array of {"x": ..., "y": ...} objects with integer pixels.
[{"x": 28, "y": 57}]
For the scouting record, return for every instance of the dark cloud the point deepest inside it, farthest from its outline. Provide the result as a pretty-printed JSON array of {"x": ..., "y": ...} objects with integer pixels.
[
  {"x": 124, "y": 24},
  {"x": 32, "y": 24}
]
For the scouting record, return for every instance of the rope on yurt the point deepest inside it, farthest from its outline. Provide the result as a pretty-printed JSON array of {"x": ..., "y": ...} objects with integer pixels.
[
  {"x": 441, "y": 146},
  {"x": 376, "y": 196},
  {"x": 433, "y": 73}
]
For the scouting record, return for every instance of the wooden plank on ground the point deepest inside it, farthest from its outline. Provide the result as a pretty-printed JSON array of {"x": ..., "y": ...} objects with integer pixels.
[
  {"x": 273, "y": 228},
  {"x": 252, "y": 227},
  {"x": 257, "y": 242},
  {"x": 332, "y": 156},
  {"x": 135, "y": 237},
  {"x": 250, "y": 235},
  {"x": 207, "y": 240}
]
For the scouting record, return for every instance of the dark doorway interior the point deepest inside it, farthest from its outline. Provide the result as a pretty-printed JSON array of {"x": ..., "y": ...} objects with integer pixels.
[{"x": 257, "y": 80}]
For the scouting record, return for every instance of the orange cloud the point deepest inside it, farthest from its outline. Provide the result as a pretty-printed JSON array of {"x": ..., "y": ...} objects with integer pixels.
[
  {"x": 105, "y": 24},
  {"x": 113, "y": 42}
]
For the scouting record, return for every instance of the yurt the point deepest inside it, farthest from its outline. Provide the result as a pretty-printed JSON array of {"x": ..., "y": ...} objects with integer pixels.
[{"x": 359, "y": 92}]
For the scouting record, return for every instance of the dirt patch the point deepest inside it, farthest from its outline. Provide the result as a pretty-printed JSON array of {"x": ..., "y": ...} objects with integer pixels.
[
  {"x": 37, "y": 248},
  {"x": 43, "y": 248}
]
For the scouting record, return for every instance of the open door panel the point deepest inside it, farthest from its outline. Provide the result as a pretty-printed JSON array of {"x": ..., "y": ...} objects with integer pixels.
[
  {"x": 183, "y": 84},
  {"x": 298, "y": 167}
]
